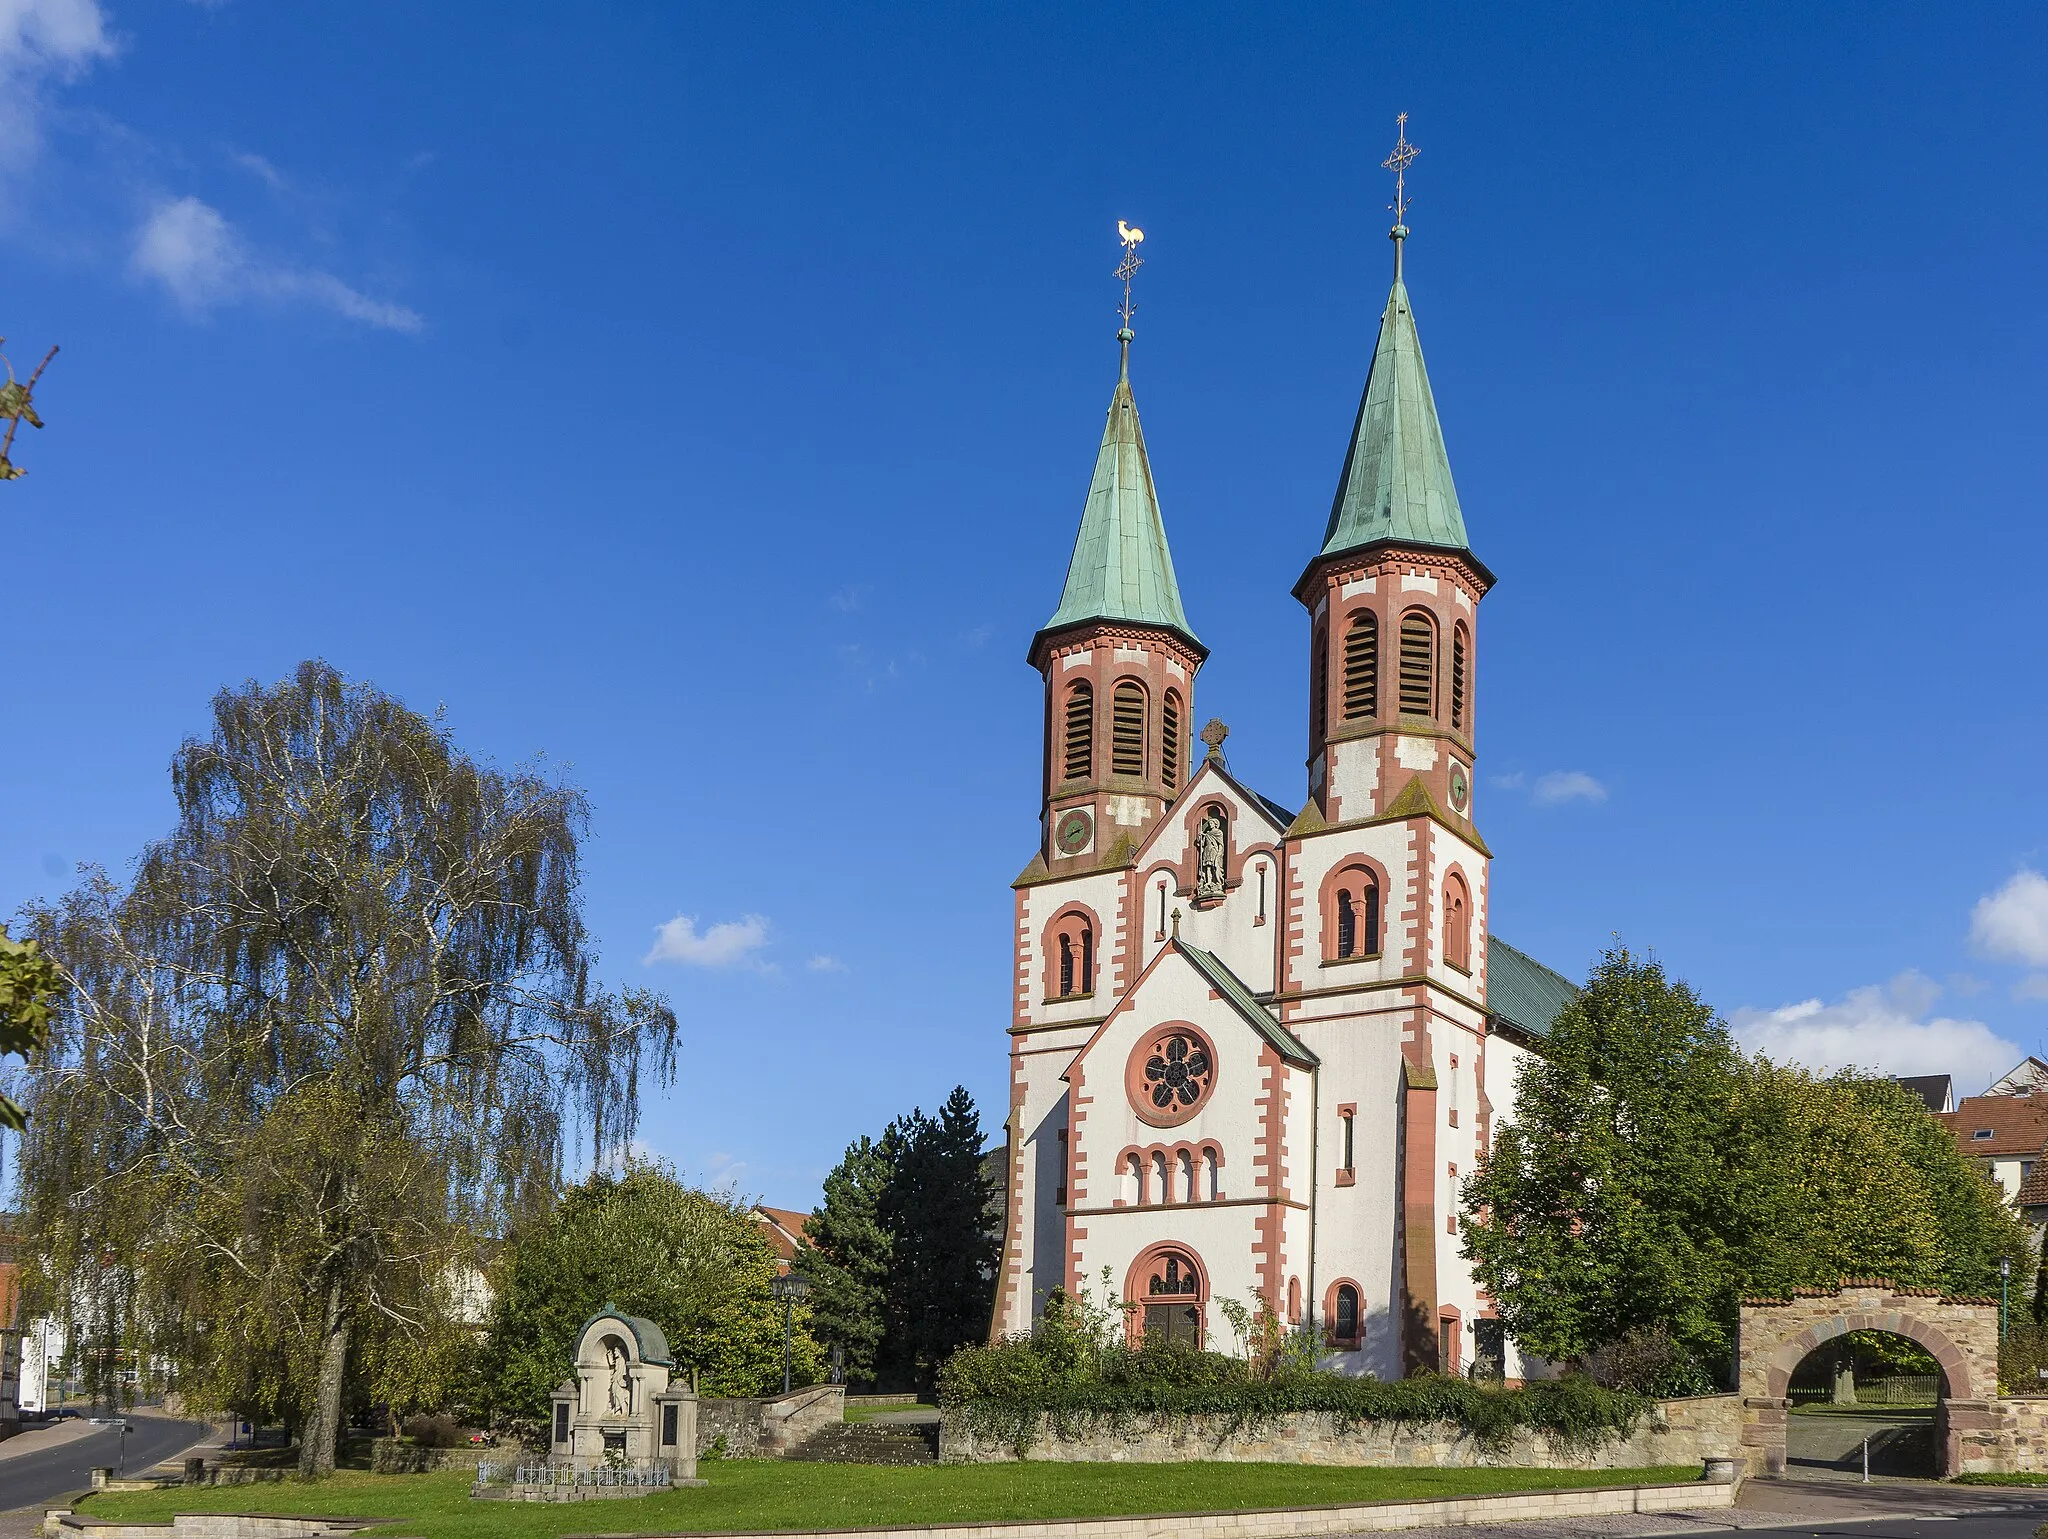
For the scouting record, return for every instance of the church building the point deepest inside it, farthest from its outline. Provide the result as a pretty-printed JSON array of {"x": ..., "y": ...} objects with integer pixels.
[{"x": 1255, "y": 1050}]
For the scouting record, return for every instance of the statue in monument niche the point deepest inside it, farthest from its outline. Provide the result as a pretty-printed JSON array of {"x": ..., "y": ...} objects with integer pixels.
[
  {"x": 1209, "y": 855},
  {"x": 619, "y": 1407},
  {"x": 618, "y": 1391}
]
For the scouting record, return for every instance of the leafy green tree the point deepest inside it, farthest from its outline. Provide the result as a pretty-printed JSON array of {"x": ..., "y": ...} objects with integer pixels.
[
  {"x": 642, "y": 1242},
  {"x": 338, "y": 1025},
  {"x": 1606, "y": 1204},
  {"x": 848, "y": 1259},
  {"x": 937, "y": 1207},
  {"x": 28, "y": 981},
  {"x": 1653, "y": 1175}
]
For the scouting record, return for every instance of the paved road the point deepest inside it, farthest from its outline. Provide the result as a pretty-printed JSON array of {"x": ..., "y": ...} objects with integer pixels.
[{"x": 43, "y": 1476}]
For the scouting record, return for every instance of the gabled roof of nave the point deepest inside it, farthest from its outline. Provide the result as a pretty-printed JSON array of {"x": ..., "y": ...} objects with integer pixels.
[{"x": 1121, "y": 567}]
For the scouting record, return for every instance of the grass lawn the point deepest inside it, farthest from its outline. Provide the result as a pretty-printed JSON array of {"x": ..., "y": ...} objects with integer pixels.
[
  {"x": 771, "y": 1494},
  {"x": 870, "y": 1412}
]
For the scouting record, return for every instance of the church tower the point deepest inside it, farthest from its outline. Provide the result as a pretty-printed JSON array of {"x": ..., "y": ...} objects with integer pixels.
[
  {"x": 1386, "y": 974},
  {"x": 1118, "y": 659}
]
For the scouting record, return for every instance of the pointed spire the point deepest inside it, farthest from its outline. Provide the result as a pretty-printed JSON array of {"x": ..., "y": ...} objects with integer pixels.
[
  {"x": 1396, "y": 483},
  {"x": 1121, "y": 569}
]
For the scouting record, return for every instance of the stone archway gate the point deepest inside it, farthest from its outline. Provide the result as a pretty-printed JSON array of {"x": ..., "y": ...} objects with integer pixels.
[{"x": 1974, "y": 1429}]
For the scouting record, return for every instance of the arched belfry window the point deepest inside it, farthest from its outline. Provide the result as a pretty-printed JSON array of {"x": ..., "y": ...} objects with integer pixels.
[
  {"x": 1080, "y": 734},
  {"x": 1461, "y": 646},
  {"x": 1356, "y": 906},
  {"x": 1127, "y": 729},
  {"x": 1418, "y": 664},
  {"x": 1362, "y": 667},
  {"x": 1073, "y": 947},
  {"x": 1169, "y": 742},
  {"x": 1066, "y": 965},
  {"x": 1347, "y": 923}
]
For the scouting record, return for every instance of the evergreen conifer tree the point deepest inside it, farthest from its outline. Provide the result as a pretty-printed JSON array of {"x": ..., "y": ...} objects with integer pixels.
[{"x": 848, "y": 1258}]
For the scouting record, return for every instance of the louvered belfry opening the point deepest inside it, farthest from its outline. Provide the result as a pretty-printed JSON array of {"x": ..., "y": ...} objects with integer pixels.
[
  {"x": 1362, "y": 667},
  {"x": 1418, "y": 664},
  {"x": 1319, "y": 686},
  {"x": 1127, "y": 729},
  {"x": 1080, "y": 747},
  {"x": 1169, "y": 742},
  {"x": 1458, "y": 676}
]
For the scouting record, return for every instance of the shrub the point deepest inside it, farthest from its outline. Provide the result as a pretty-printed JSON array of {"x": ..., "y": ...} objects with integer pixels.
[{"x": 436, "y": 1431}]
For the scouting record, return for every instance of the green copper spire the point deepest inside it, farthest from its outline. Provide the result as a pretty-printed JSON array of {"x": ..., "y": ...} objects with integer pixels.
[
  {"x": 1122, "y": 569},
  {"x": 1396, "y": 483}
]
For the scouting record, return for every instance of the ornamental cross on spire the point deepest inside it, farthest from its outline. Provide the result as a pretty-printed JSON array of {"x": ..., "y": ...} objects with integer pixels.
[
  {"x": 1127, "y": 269},
  {"x": 1398, "y": 163}
]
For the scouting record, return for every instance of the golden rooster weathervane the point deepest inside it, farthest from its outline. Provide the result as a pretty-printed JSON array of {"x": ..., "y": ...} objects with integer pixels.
[{"x": 1127, "y": 269}]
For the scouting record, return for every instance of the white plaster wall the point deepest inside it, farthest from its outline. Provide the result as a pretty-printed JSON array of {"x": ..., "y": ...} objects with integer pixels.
[
  {"x": 1100, "y": 891},
  {"x": 1039, "y": 1121},
  {"x": 1389, "y": 845},
  {"x": 1447, "y": 850},
  {"x": 1355, "y": 777}
]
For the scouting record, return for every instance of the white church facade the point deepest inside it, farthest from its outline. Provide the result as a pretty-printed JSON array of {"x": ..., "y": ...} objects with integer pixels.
[{"x": 1255, "y": 1048}]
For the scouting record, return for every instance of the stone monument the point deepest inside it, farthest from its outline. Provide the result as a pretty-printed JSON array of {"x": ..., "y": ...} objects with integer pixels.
[{"x": 619, "y": 1410}]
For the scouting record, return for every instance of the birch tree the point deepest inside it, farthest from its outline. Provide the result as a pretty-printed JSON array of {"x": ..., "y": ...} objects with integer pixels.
[{"x": 336, "y": 1028}]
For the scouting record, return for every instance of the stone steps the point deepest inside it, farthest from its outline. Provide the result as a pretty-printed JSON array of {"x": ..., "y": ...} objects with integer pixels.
[{"x": 859, "y": 1442}]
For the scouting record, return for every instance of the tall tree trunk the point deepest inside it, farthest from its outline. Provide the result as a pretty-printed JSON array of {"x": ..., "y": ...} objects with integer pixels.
[{"x": 323, "y": 1427}]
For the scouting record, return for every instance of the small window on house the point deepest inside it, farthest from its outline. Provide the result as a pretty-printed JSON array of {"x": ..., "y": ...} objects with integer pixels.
[
  {"x": 1457, "y": 924},
  {"x": 1459, "y": 647},
  {"x": 1418, "y": 664},
  {"x": 1080, "y": 744},
  {"x": 1169, "y": 742},
  {"x": 1345, "y": 1326},
  {"x": 1127, "y": 729},
  {"x": 1362, "y": 667},
  {"x": 1983, "y": 1133},
  {"x": 1059, "y": 1192},
  {"x": 1350, "y": 1122}
]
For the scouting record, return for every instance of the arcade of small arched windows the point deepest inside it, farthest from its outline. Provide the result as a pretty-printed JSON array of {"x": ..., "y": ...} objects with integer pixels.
[
  {"x": 1169, "y": 1174},
  {"x": 1133, "y": 729}
]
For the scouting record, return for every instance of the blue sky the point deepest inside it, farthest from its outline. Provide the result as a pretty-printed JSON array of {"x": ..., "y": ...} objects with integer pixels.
[{"x": 704, "y": 397}]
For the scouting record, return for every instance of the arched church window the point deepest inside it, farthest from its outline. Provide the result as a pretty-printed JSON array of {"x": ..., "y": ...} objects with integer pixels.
[
  {"x": 1357, "y": 915},
  {"x": 1418, "y": 664},
  {"x": 1347, "y": 924},
  {"x": 1460, "y": 644},
  {"x": 1457, "y": 923},
  {"x": 1087, "y": 960},
  {"x": 1169, "y": 742},
  {"x": 1344, "y": 1319},
  {"x": 1080, "y": 741},
  {"x": 1362, "y": 667},
  {"x": 1127, "y": 729},
  {"x": 1169, "y": 1286},
  {"x": 1066, "y": 965},
  {"x": 1294, "y": 1301}
]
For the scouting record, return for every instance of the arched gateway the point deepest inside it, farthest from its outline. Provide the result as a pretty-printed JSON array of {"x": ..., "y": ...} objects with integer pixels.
[{"x": 1777, "y": 1334}]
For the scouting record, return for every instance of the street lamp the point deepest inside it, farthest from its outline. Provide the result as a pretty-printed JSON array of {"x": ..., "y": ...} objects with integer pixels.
[
  {"x": 791, "y": 1290},
  {"x": 2004, "y": 1283}
]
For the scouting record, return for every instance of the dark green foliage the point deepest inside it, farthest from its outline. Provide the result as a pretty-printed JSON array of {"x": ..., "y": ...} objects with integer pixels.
[
  {"x": 1653, "y": 1176},
  {"x": 28, "y": 981},
  {"x": 936, "y": 1204},
  {"x": 849, "y": 1257},
  {"x": 902, "y": 1254},
  {"x": 642, "y": 1243}
]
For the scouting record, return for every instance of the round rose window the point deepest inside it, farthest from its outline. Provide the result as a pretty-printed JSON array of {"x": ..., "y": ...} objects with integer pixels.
[{"x": 1170, "y": 1075}]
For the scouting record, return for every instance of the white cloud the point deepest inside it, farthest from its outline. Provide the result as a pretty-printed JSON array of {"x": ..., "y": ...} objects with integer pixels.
[
  {"x": 2012, "y": 923},
  {"x": 2033, "y": 986},
  {"x": 727, "y": 944},
  {"x": 822, "y": 963},
  {"x": 42, "y": 42},
  {"x": 1560, "y": 786},
  {"x": 189, "y": 248},
  {"x": 262, "y": 170},
  {"x": 1885, "y": 1028}
]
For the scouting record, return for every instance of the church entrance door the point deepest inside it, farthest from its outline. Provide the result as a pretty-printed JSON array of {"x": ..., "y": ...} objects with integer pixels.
[{"x": 1178, "y": 1324}]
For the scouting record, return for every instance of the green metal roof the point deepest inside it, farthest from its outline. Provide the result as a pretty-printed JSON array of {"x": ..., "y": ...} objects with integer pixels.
[
  {"x": 1122, "y": 569},
  {"x": 1232, "y": 988},
  {"x": 1523, "y": 992},
  {"x": 1396, "y": 483}
]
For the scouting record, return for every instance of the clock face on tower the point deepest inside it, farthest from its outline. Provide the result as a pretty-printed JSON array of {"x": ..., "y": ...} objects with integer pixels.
[
  {"x": 1460, "y": 790},
  {"x": 1074, "y": 830}
]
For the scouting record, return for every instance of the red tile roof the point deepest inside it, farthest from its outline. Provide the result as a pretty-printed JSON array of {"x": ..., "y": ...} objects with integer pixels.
[
  {"x": 782, "y": 1228},
  {"x": 2018, "y": 1124}
]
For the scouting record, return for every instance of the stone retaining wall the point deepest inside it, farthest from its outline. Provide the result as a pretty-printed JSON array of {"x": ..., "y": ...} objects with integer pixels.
[
  {"x": 1672, "y": 1432},
  {"x": 769, "y": 1427},
  {"x": 394, "y": 1456}
]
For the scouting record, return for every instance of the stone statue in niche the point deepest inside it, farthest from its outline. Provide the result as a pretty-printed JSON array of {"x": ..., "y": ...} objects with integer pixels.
[
  {"x": 618, "y": 1392},
  {"x": 1209, "y": 855}
]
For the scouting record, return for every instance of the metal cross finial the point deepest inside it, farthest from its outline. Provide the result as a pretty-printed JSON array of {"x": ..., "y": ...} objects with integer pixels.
[
  {"x": 1128, "y": 267},
  {"x": 1398, "y": 163}
]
